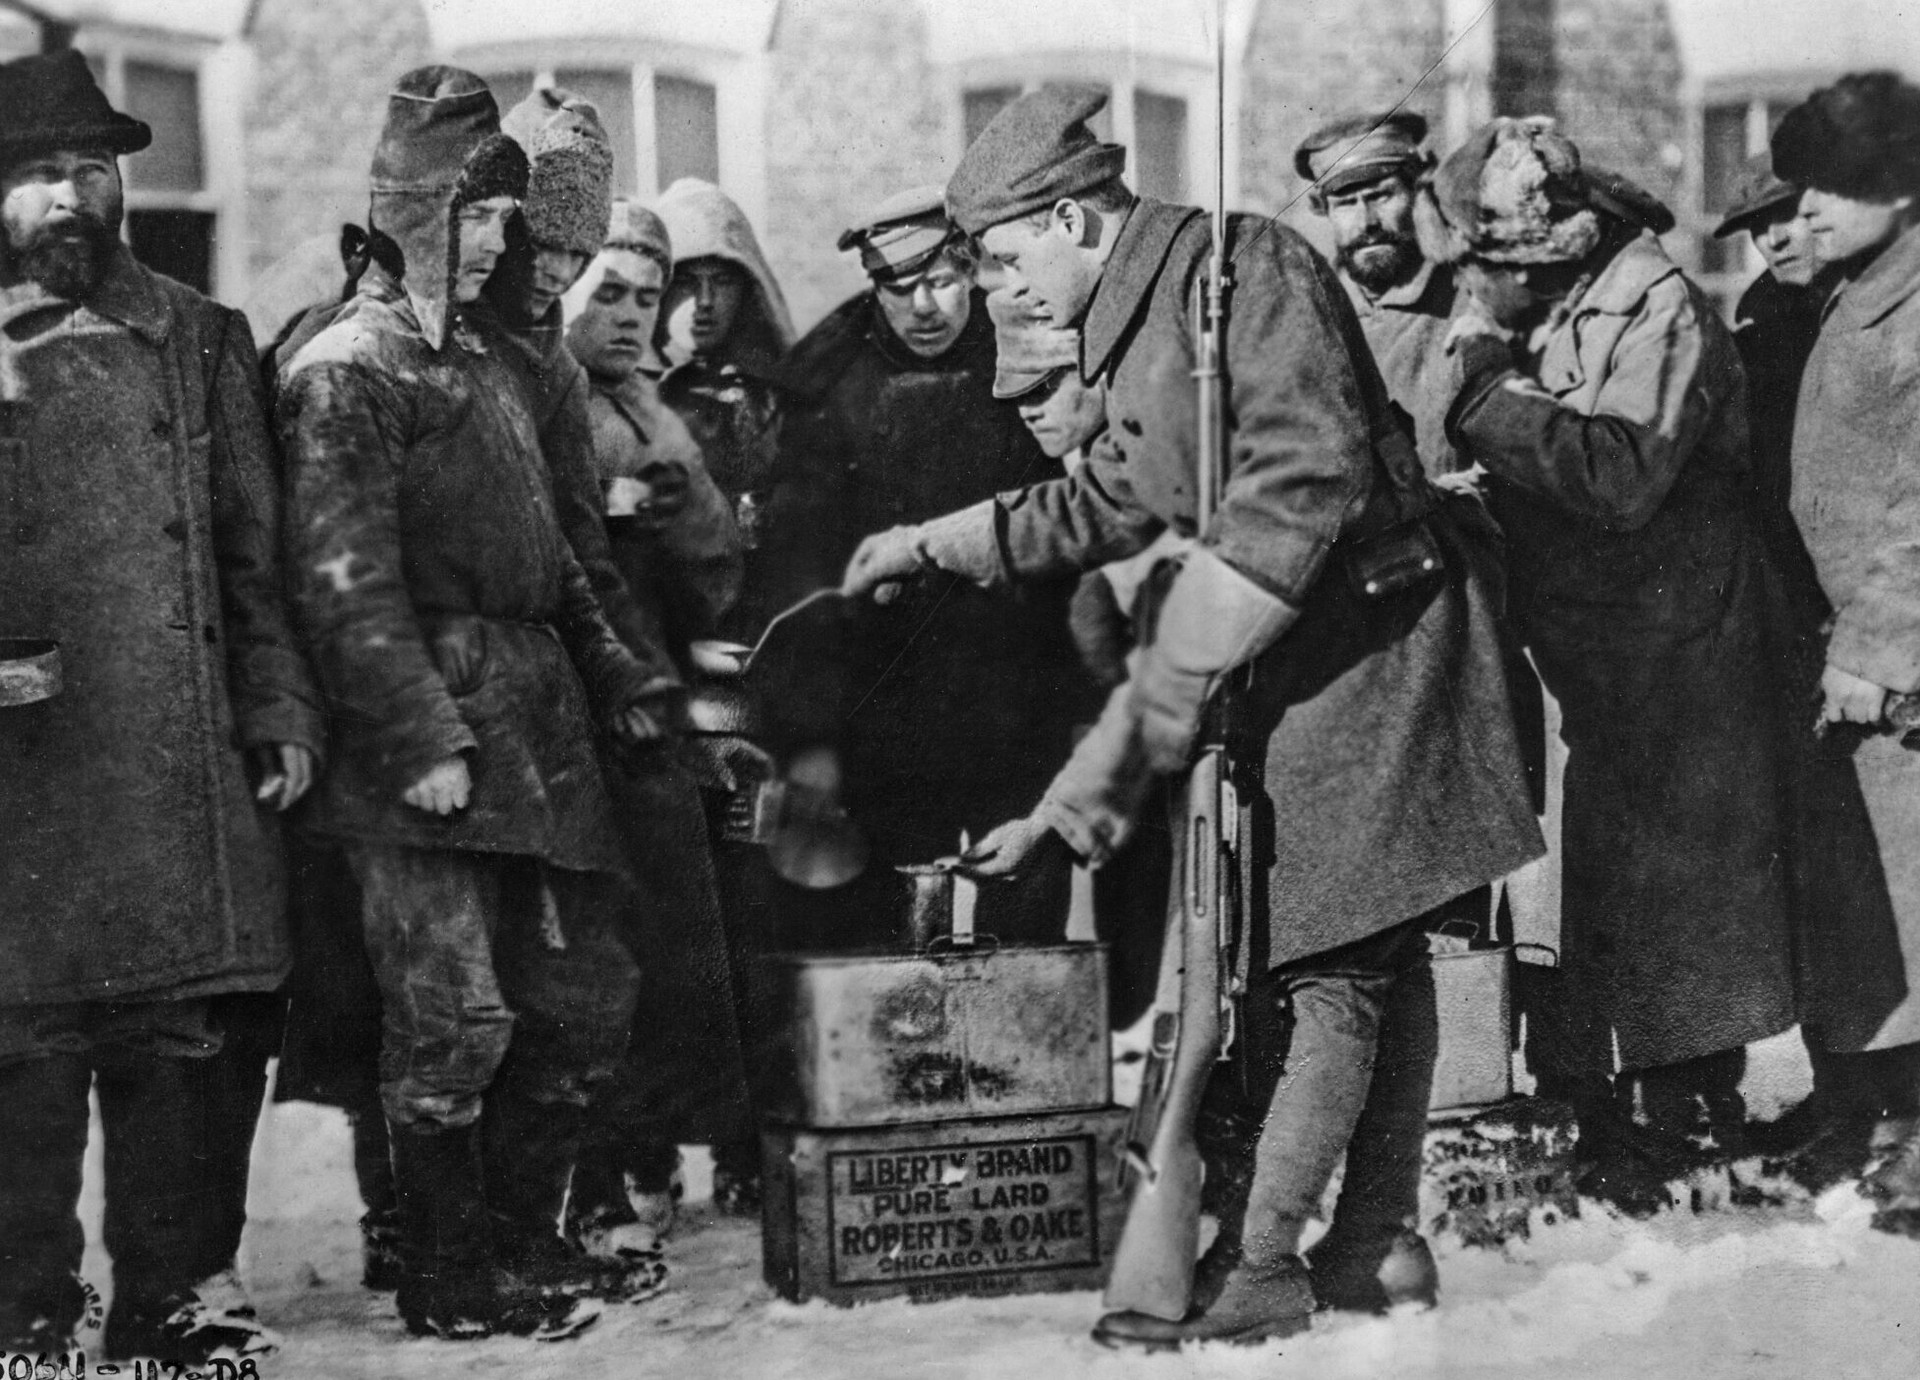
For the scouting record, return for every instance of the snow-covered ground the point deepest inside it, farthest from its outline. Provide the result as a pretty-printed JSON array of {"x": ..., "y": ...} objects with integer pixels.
[{"x": 1808, "y": 1292}]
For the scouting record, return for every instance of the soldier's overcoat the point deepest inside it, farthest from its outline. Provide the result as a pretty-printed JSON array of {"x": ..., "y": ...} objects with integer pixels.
[{"x": 1377, "y": 729}]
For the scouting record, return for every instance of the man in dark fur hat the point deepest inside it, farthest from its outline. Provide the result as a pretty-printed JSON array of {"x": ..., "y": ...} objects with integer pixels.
[
  {"x": 467, "y": 660},
  {"x": 142, "y": 905}
]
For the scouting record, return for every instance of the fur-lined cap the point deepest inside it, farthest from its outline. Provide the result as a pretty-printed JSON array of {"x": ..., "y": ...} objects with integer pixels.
[
  {"x": 570, "y": 189},
  {"x": 1859, "y": 138},
  {"x": 1512, "y": 193}
]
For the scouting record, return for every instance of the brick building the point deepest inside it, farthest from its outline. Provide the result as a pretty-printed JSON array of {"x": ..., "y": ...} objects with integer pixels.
[{"x": 809, "y": 110}]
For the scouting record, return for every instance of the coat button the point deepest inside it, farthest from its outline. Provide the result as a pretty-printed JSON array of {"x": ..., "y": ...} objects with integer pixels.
[{"x": 160, "y": 427}]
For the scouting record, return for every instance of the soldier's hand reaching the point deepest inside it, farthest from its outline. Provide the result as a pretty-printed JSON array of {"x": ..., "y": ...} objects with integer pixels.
[
  {"x": 444, "y": 789},
  {"x": 286, "y": 774},
  {"x": 1012, "y": 850},
  {"x": 1849, "y": 699},
  {"x": 882, "y": 562}
]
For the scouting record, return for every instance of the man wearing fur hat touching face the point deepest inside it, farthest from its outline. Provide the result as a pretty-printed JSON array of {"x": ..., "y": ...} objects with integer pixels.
[
  {"x": 1606, "y": 402},
  {"x": 466, "y": 660},
  {"x": 1855, "y": 147},
  {"x": 1381, "y": 774}
]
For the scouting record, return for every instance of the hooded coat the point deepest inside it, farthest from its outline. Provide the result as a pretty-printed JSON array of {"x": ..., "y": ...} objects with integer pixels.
[
  {"x": 141, "y": 531},
  {"x": 1377, "y": 730},
  {"x": 729, "y": 402},
  {"x": 1620, "y": 470},
  {"x": 445, "y": 610},
  {"x": 1856, "y": 490}
]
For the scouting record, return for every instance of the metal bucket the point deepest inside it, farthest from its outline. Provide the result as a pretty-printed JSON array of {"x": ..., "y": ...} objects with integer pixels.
[{"x": 29, "y": 671}]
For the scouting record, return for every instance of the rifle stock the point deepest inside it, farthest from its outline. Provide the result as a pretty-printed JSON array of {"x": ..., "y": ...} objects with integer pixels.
[{"x": 1153, "y": 1264}]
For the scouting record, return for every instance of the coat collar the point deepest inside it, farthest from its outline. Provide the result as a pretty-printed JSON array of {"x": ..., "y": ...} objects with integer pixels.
[
  {"x": 1888, "y": 281},
  {"x": 1623, "y": 284},
  {"x": 127, "y": 294},
  {"x": 1128, "y": 278}
]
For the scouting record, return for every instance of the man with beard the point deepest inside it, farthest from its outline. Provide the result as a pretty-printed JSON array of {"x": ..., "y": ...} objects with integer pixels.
[
  {"x": 1362, "y": 171},
  {"x": 140, "y": 873}
]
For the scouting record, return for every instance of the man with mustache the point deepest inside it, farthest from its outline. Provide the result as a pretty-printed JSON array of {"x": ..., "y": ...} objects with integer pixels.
[
  {"x": 142, "y": 901},
  {"x": 1362, "y": 170}
]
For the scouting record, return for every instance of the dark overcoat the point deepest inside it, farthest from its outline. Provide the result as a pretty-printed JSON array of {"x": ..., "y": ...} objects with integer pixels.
[
  {"x": 140, "y": 530},
  {"x": 1856, "y": 497},
  {"x": 949, "y": 685},
  {"x": 1377, "y": 729},
  {"x": 1621, "y": 473},
  {"x": 446, "y": 613}
]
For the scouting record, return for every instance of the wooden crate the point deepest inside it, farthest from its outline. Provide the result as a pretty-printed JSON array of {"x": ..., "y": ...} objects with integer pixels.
[{"x": 989, "y": 1205}]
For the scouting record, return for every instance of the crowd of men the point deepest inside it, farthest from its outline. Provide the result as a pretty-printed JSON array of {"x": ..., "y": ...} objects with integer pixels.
[{"x": 439, "y": 560}]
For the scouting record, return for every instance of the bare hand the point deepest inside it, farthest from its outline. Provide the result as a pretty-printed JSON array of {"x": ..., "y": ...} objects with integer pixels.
[
  {"x": 882, "y": 562},
  {"x": 286, "y": 774},
  {"x": 1468, "y": 481},
  {"x": 444, "y": 789},
  {"x": 1011, "y": 851},
  {"x": 1849, "y": 699}
]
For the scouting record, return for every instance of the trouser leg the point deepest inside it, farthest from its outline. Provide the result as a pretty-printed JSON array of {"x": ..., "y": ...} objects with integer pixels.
[
  {"x": 429, "y": 918},
  {"x": 235, "y": 1081},
  {"x": 40, "y": 1236},
  {"x": 154, "y": 1109},
  {"x": 1337, "y": 1001},
  {"x": 1380, "y": 1191},
  {"x": 572, "y": 1000}
]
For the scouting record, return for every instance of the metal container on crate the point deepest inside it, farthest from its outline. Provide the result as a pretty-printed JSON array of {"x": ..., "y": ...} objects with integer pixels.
[
  {"x": 1473, "y": 993},
  {"x": 995, "y": 1205},
  {"x": 879, "y": 1039}
]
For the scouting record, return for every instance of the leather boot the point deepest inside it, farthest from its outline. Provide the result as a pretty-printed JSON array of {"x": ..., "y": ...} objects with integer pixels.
[
  {"x": 1255, "y": 1303},
  {"x": 1370, "y": 1272},
  {"x": 450, "y": 1286},
  {"x": 530, "y": 1150}
]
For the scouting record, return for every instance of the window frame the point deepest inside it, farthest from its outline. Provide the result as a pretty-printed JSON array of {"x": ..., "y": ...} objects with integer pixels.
[
  {"x": 739, "y": 82},
  {"x": 219, "y": 86}
]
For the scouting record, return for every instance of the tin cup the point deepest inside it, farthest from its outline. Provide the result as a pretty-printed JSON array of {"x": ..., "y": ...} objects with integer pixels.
[
  {"x": 29, "y": 670},
  {"x": 929, "y": 914}
]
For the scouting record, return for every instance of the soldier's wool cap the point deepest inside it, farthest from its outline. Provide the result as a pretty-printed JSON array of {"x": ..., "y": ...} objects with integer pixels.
[
  {"x": 570, "y": 189},
  {"x": 1624, "y": 199},
  {"x": 1859, "y": 138},
  {"x": 1513, "y": 193},
  {"x": 51, "y": 101},
  {"x": 1361, "y": 148},
  {"x": 1758, "y": 191},
  {"x": 1028, "y": 348},
  {"x": 1038, "y": 149},
  {"x": 903, "y": 234}
]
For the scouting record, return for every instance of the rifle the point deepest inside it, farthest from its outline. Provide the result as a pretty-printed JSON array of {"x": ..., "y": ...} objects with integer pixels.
[{"x": 1193, "y": 1022}]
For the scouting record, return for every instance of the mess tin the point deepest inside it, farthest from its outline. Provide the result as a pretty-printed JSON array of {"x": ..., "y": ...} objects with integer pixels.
[{"x": 29, "y": 671}]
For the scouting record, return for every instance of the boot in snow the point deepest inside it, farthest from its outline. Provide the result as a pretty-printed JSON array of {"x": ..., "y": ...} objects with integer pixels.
[{"x": 1373, "y": 1272}]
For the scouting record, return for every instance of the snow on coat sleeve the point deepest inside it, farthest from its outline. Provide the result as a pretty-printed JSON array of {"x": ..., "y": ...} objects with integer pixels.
[
  {"x": 341, "y": 428},
  {"x": 1615, "y": 461},
  {"x": 274, "y": 698},
  {"x": 1876, "y": 633}
]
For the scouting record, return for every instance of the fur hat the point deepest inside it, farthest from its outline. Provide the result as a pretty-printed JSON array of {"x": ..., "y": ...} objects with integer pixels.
[
  {"x": 1513, "y": 193},
  {"x": 1859, "y": 138},
  {"x": 570, "y": 189},
  {"x": 440, "y": 149}
]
